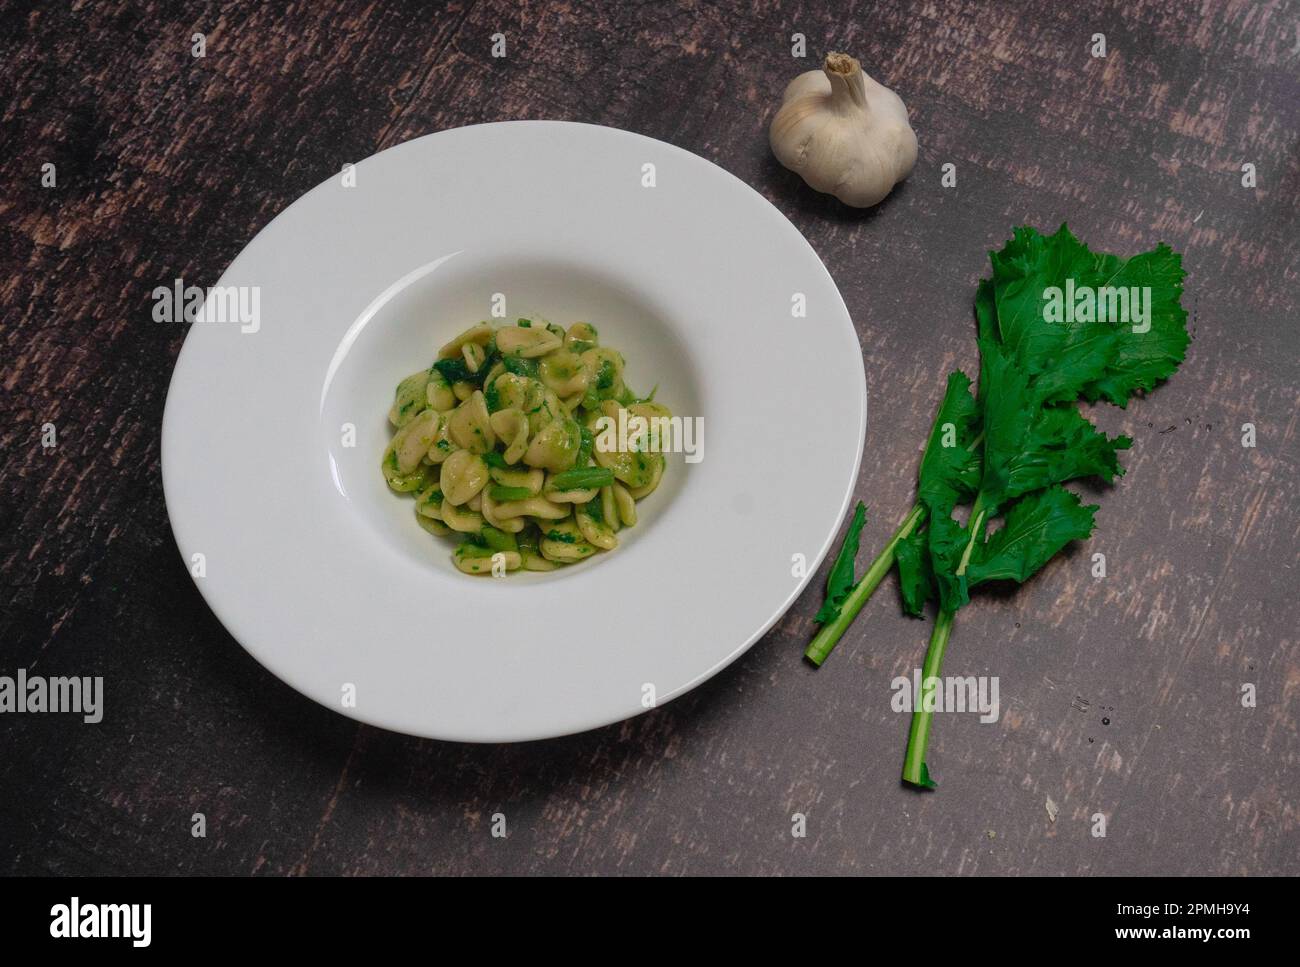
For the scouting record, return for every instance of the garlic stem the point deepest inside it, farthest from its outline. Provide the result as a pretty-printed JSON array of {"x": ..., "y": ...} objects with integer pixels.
[{"x": 846, "y": 77}]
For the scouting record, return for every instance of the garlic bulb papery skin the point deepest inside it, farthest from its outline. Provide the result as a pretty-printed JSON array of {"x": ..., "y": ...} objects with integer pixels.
[{"x": 843, "y": 133}]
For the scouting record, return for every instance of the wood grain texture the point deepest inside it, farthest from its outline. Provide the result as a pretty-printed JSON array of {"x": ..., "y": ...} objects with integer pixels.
[{"x": 1120, "y": 696}]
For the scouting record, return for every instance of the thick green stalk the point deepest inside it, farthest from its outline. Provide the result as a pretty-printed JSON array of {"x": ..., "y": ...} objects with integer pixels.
[
  {"x": 829, "y": 635},
  {"x": 918, "y": 737}
]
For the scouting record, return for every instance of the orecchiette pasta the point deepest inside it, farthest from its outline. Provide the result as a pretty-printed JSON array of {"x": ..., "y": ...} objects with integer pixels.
[
  {"x": 464, "y": 474},
  {"x": 527, "y": 342},
  {"x": 438, "y": 393},
  {"x": 564, "y": 373},
  {"x": 503, "y": 443},
  {"x": 479, "y": 335},
  {"x": 461, "y": 519},
  {"x": 412, "y": 441},
  {"x": 433, "y": 526},
  {"x": 511, "y": 426}
]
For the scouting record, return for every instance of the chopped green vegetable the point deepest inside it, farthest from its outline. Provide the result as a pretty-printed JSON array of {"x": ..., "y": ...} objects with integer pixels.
[
  {"x": 520, "y": 366},
  {"x": 527, "y": 539},
  {"x": 456, "y": 370},
  {"x": 585, "y": 447},
  {"x": 497, "y": 540},
  {"x": 581, "y": 478},
  {"x": 501, "y": 494}
]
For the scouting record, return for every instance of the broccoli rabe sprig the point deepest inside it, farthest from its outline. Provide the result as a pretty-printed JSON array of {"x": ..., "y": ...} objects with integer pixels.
[{"x": 1004, "y": 453}]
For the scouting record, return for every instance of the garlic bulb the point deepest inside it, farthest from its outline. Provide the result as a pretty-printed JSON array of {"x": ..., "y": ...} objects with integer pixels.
[{"x": 844, "y": 133}]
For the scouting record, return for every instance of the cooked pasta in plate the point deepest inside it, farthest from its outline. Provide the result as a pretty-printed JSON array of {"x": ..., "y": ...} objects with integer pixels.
[{"x": 510, "y": 443}]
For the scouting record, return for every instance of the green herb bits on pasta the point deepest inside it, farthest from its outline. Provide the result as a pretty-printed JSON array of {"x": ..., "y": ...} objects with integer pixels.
[{"x": 499, "y": 444}]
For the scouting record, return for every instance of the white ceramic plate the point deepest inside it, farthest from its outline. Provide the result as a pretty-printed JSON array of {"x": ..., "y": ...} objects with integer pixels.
[{"x": 322, "y": 573}]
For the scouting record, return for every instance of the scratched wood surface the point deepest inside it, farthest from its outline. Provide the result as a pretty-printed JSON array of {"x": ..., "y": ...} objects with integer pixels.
[{"x": 1120, "y": 696}]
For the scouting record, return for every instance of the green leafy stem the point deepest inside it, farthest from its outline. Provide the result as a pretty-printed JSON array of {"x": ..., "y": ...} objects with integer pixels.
[
  {"x": 831, "y": 632},
  {"x": 1007, "y": 450}
]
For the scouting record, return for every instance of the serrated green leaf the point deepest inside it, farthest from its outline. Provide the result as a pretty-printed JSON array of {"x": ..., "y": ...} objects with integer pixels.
[
  {"x": 1023, "y": 270},
  {"x": 1062, "y": 445},
  {"x": 1004, "y": 391},
  {"x": 1146, "y": 358},
  {"x": 1028, "y": 447},
  {"x": 1080, "y": 358},
  {"x": 915, "y": 576},
  {"x": 949, "y": 469},
  {"x": 840, "y": 581},
  {"x": 1059, "y": 357},
  {"x": 1036, "y": 528},
  {"x": 946, "y": 541},
  {"x": 1098, "y": 360}
]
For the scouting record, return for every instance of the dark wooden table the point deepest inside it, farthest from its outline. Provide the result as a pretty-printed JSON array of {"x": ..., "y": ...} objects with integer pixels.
[{"x": 1121, "y": 696}]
